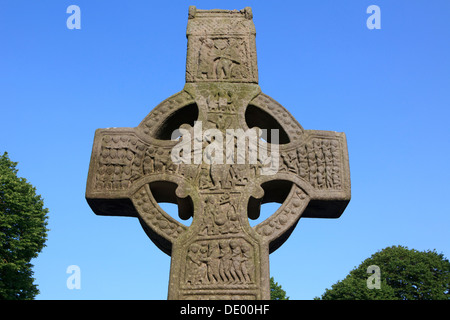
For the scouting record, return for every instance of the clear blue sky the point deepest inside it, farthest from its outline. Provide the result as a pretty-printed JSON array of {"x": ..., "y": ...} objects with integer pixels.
[{"x": 387, "y": 89}]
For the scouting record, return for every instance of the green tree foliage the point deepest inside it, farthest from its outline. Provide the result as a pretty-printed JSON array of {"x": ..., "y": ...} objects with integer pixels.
[
  {"x": 405, "y": 275},
  {"x": 23, "y": 232},
  {"x": 276, "y": 292}
]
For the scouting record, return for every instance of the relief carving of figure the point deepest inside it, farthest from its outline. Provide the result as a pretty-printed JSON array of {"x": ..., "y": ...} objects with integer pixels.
[
  {"x": 247, "y": 262},
  {"x": 194, "y": 265},
  {"x": 225, "y": 261},
  {"x": 227, "y": 217},
  {"x": 204, "y": 181},
  {"x": 149, "y": 161},
  {"x": 209, "y": 226},
  {"x": 222, "y": 58},
  {"x": 236, "y": 260},
  {"x": 290, "y": 161},
  {"x": 225, "y": 58},
  {"x": 206, "y": 59},
  {"x": 214, "y": 262},
  {"x": 312, "y": 164}
]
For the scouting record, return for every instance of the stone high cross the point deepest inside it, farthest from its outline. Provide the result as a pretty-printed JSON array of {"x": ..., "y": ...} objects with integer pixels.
[{"x": 219, "y": 256}]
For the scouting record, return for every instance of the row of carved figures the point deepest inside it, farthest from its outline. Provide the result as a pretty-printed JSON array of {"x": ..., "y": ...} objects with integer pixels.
[
  {"x": 317, "y": 162},
  {"x": 225, "y": 262},
  {"x": 120, "y": 164}
]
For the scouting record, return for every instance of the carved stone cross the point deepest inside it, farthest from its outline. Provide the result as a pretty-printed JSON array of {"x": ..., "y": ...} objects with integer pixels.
[{"x": 174, "y": 155}]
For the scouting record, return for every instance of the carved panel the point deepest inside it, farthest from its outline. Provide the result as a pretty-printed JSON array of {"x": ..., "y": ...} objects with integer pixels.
[
  {"x": 222, "y": 59},
  {"x": 119, "y": 162},
  {"x": 221, "y": 49},
  {"x": 317, "y": 162},
  {"x": 220, "y": 263},
  {"x": 220, "y": 214}
]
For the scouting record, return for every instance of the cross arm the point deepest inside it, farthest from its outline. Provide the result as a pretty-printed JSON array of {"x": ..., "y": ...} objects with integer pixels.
[
  {"x": 122, "y": 172},
  {"x": 116, "y": 163},
  {"x": 322, "y": 162}
]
